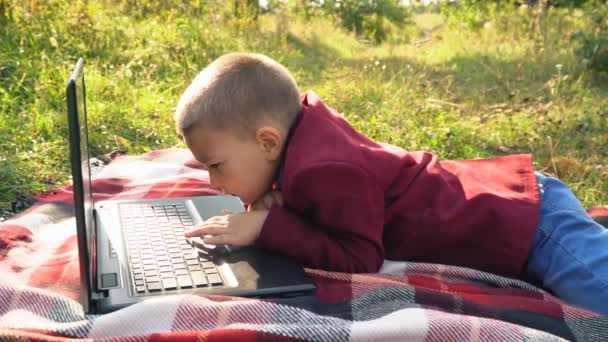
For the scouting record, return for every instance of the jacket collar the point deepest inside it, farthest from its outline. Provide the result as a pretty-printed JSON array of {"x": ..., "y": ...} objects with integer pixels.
[{"x": 305, "y": 103}]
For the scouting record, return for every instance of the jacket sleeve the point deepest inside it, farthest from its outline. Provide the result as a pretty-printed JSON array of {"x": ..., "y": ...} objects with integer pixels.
[{"x": 338, "y": 223}]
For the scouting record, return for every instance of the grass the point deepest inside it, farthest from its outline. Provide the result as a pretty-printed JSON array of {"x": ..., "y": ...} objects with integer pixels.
[{"x": 434, "y": 85}]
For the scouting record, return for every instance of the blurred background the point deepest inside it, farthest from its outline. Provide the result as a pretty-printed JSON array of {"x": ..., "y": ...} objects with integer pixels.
[{"x": 464, "y": 79}]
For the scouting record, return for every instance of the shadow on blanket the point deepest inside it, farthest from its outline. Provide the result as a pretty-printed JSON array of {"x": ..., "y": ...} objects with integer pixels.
[{"x": 39, "y": 286}]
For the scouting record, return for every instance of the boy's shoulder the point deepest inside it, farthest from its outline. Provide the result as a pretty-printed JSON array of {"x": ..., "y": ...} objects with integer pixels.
[
  {"x": 323, "y": 141},
  {"x": 322, "y": 135}
]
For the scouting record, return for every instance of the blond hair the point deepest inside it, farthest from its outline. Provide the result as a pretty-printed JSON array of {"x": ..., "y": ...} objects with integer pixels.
[{"x": 237, "y": 91}]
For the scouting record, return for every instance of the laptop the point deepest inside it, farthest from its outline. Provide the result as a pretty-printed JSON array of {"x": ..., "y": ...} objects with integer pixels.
[{"x": 131, "y": 250}]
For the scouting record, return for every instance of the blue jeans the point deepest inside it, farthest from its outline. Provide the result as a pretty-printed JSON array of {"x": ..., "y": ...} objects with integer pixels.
[{"x": 569, "y": 255}]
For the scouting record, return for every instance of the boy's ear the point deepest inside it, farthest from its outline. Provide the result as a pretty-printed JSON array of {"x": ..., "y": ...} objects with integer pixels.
[{"x": 270, "y": 141}]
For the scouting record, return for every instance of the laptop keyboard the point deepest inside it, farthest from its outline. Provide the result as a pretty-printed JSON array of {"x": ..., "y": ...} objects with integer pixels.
[{"x": 161, "y": 258}]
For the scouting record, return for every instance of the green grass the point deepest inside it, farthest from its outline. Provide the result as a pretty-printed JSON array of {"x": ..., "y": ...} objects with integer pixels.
[{"x": 460, "y": 92}]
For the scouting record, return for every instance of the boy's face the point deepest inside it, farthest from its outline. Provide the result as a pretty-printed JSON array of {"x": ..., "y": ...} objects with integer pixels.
[{"x": 241, "y": 166}]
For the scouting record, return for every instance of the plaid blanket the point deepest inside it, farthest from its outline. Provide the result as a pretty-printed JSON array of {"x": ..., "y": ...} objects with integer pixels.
[{"x": 39, "y": 287}]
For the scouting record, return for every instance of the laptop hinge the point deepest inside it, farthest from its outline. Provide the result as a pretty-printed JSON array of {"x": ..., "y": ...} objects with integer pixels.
[{"x": 96, "y": 294}]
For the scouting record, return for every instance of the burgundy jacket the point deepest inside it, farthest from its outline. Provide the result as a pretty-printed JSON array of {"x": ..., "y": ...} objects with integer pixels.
[{"x": 350, "y": 202}]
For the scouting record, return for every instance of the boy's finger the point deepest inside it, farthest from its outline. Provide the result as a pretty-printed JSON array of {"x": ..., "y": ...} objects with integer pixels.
[
  {"x": 216, "y": 240},
  {"x": 214, "y": 219},
  {"x": 206, "y": 230}
]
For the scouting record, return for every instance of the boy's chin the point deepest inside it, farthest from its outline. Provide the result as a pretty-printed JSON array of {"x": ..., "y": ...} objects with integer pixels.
[{"x": 244, "y": 200}]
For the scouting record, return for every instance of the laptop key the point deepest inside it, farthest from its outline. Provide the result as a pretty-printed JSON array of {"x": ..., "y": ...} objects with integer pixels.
[
  {"x": 149, "y": 267},
  {"x": 163, "y": 263},
  {"x": 145, "y": 256},
  {"x": 210, "y": 270},
  {"x": 199, "y": 279},
  {"x": 162, "y": 257},
  {"x": 194, "y": 267},
  {"x": 140, "y": 289},
  {"x": 215, "y": 279},
  {"x": 184, "y": 281},
  {"x": 192, "y": 262},
  {"x": 153, "y": 279},
  {"x": 167, "y": 275},
  {"x": 190, "y": 256},
  {"x": 164, "y": 269},
  {"x": 208, "y": 264},
  {"x": 181, "y": 272},
  {"x": 154, "y": 286},
  {"x": 169, "y": 284}
]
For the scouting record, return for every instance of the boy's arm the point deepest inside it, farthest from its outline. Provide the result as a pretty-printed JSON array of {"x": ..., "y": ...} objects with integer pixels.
[{"x": 343, "y": 225}]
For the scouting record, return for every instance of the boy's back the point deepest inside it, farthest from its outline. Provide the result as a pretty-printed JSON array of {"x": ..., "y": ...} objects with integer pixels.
[{"x": 397, "y": 205}]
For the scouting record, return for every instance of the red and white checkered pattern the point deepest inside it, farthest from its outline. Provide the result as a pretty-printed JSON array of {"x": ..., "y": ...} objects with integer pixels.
[{"x": 39, "y": 287}]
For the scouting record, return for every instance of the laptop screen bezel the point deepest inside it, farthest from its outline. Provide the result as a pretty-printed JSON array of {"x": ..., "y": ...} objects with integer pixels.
[{"x": 82, "y": 189}]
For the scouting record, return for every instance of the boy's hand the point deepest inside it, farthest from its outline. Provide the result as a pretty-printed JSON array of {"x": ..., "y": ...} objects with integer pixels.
[
  {"x": 266, "y": 201},
  {"x": 240, "y": 229}
]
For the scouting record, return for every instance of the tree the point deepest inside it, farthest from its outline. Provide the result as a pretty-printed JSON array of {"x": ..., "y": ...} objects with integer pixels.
[{"x": 364, "y": 17}]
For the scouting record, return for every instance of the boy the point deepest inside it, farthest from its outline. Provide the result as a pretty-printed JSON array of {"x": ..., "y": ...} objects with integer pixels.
[{"x": 333, "y": 199}]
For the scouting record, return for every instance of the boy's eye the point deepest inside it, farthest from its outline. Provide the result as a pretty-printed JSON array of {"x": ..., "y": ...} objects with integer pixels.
[{"x": 215, "y": 166}]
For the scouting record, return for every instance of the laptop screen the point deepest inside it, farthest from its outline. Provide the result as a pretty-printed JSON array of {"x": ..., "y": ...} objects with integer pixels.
[{"x": 79, "y": 159}]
